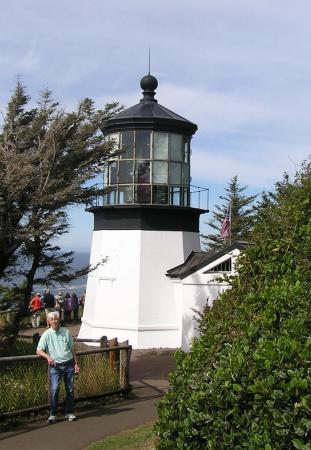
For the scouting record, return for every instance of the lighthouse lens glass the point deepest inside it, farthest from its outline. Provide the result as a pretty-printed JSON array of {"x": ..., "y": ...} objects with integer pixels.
[{"x": 154, "y": 168}]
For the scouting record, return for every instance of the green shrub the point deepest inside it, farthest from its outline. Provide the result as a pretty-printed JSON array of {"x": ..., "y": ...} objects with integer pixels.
[{"x": 246, "y": 382}]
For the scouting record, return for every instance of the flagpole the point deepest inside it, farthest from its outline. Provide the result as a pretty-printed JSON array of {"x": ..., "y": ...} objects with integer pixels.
[{"x": 230, "y": 239}]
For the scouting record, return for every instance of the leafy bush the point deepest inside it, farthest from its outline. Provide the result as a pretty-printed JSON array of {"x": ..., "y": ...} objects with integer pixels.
[{"x": 246, "y": 382}]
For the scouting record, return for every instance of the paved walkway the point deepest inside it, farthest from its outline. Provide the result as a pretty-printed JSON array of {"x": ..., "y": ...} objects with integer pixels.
[{"x": 148, "y": 373}]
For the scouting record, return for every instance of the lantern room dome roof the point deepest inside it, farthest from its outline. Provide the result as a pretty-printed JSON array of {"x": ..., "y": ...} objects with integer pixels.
[{"x": 148, "y": 113}]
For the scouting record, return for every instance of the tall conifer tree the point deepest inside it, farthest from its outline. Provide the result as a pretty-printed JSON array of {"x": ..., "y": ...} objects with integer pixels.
[
  {"x": 46, "y": 157},
  {"x": 241, "y": 216}
]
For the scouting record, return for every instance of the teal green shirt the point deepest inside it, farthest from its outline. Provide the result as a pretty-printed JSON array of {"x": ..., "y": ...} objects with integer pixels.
[{"x": 58, "y": 344}]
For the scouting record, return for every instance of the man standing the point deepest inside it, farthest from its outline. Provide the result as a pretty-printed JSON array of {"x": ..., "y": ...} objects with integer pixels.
[
  {"x": 35, "y": 306},
  {"x": 49, "y": 302},
  {"x": 57, "y": 347}
]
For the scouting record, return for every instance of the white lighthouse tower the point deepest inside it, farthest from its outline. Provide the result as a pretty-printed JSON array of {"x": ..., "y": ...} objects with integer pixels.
[{"x": 143, "y": 226}]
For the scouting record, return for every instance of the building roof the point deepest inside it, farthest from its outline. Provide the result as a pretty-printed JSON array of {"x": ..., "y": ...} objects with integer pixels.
[
  {"x": 197, "y": 260},
  {"x": 150, "y": 109},
  {"x": 148, "y": 113}
]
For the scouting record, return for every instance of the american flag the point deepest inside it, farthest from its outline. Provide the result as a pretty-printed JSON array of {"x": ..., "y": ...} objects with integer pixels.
[{"x": 225, "y": 230}]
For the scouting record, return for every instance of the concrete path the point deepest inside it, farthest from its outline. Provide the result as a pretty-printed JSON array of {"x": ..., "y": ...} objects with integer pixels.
[{"x": 148, "y": 373}]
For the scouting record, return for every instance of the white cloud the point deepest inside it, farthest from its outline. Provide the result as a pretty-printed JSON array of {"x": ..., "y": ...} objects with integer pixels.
[{"x": 218, "y": 112}]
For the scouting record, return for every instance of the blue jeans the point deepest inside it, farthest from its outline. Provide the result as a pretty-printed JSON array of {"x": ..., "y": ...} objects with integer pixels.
[{"x": 65, "y": 370}]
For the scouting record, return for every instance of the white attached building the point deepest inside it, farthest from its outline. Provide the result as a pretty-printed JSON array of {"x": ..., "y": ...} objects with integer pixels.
[{"x": 198, "y": 282}]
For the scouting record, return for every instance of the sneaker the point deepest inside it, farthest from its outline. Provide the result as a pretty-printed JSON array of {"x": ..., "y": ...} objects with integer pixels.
[
  {"x": 70, "y": 417},
  {"x": 52, "y": 419}
]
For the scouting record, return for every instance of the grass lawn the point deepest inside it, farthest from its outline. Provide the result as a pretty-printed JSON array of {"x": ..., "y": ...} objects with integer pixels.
[{"x": 141, "y": 437}]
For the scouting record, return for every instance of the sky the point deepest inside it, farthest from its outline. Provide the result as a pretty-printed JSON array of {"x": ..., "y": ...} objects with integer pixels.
[{"x": 239, "y": 69}]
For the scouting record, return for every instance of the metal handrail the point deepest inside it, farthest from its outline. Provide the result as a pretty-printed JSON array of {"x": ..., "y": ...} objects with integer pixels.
[{"x": 199, "y": 196}]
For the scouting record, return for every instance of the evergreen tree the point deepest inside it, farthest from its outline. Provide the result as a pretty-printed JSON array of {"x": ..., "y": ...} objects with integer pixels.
[
  {"x": 46, "y": 157},
  {"x": 241, "y": 216}
]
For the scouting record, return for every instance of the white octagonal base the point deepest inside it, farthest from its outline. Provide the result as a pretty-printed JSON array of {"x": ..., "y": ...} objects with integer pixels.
[{"x": 129, "y": 296}]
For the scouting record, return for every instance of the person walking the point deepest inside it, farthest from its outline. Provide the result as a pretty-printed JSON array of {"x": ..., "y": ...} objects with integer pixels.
[
  {"x": 75, "y": 307},
  {"x": 67, "y": 307},
  {"x": 35, "y": 306},
  {"x": 57, "y": 347}
]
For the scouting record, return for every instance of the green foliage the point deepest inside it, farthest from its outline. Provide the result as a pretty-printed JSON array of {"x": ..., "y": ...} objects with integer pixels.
[
  {"x": 46, "y": 157},
  {"x": 246, "y": 382},
  {"x": 241, "y": 216}
]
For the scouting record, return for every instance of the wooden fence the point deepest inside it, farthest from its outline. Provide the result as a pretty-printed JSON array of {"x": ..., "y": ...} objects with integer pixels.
[{"x": 24, "y": 379}]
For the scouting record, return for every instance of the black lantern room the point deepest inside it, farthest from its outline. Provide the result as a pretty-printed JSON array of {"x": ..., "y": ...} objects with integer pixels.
[{"x": 148, "y": 185}]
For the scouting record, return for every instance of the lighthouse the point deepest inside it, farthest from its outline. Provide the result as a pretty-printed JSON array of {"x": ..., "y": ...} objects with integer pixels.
[{"x": 144, "y": 224}]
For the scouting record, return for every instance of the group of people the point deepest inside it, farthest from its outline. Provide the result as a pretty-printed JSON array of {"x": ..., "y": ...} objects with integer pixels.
[{"x": 67, "y": 307}]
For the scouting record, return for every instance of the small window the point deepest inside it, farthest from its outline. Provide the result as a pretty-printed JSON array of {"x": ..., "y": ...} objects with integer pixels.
[
  {"x": 175, "y": 195},
  {"x": 185, "y": 174},
  {"x": 177, "y": 147},
  {"x": 115, "y": 137},
  {"x": 125, "y": 172},
  {"x": 142, "y": 144},
  {"x": 113, "y": 172},
  {"x": 175, "y": 173},
  {"x": 186, "y": 197},
  {"x": 142, "y": 172},
  {"x": 125, "y": 194},
  {"x": 105, "y": 175},
  {"x": 142, "y": 194},
  {"x": 159, "y": 172},
  {"x": 160, "y": 145},
  {"x": 160, "y": 195},
  {"x": 225, "y": 266},
  {"x": 110, "y": 196},
  {"x": 127, "y": 145},
  {"x": 186, "y": 150}
]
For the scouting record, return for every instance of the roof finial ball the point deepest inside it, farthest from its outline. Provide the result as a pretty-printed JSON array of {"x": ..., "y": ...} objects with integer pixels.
[{"x": 149, "y": 83}]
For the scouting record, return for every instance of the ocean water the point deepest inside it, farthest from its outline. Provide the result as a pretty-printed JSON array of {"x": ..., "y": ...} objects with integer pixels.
[{"x": 78, "y": 286}]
